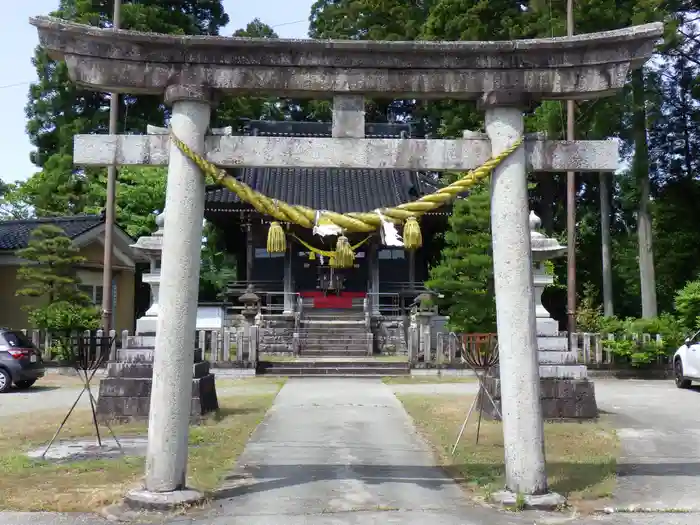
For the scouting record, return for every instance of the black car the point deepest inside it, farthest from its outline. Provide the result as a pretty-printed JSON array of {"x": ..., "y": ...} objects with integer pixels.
[{"x": 20, "y": 361}]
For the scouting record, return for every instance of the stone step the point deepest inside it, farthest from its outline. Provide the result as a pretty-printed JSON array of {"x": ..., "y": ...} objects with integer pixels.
[
  {"x": 332, "y": 322},
  {"x": 339, "y": 339},
  {"x": 333, "y": 333},
  {"x": 333, "y": 353},
  {"x": 557, "y": 358},
  {"x": 335, "y": 362},
  {"x": 338, "y": 329},
  {"x": 552, "y": 344},
  {"x": 563, "y": 372},
  {"x": 335, "y": 371},
  {"x": 337, "y": 347}
]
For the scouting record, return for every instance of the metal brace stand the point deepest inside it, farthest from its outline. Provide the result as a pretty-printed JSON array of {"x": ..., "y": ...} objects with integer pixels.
[
  {"x": 88, "y": 359},
  {"x": 482, "y": 390}
]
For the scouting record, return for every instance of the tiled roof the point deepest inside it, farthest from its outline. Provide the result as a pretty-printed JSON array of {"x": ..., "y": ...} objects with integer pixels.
[
  {"x": 339, "y": 190},
  {"x": 14, "y": 235}
]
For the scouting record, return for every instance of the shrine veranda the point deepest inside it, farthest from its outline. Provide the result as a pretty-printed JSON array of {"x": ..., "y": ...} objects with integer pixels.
[{"x": 504, "y": 77}]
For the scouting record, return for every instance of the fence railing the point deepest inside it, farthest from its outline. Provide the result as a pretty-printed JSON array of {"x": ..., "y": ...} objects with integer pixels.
[
  {"x": 220, "y": 346},
  {"x": 47, "y": 341},
  {"x": 591, "y": 348}
]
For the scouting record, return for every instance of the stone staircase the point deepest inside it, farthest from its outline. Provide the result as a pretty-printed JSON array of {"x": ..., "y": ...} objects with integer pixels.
[
  {"x": 334, "y": 343},
  {"x": 334, "y": 367},
  {"x": 335, "y": 333}
]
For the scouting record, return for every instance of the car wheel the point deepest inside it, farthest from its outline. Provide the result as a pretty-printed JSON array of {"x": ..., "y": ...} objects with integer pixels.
[
  {"x": 25, "y": 383},
  {"x": 5, "y": 381},
  {"x": 681, "y": 382}
]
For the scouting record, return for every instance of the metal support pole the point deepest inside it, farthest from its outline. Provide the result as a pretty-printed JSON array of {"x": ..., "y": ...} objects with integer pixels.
[
  {"x": 570, "y": 203},
  {"x": 107, "y": 295}
]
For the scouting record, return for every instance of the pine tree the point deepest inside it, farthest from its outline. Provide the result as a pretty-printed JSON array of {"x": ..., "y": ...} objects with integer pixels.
[
  {"x": 49, "y": 276},
  {"x": 465, "y": 273}
]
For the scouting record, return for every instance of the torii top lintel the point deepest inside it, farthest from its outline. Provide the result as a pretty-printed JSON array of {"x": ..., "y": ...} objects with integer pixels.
[{"x": 584, "y": 66}]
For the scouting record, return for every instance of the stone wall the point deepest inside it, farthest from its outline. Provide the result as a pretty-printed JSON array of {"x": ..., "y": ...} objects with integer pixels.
[
  {"x": 390, "y": 335},
  {"x": 277, "y": 334}
]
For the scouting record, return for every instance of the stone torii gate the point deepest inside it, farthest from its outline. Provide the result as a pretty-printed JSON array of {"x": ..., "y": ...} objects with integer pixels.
[{"x": 190, "y": 72}]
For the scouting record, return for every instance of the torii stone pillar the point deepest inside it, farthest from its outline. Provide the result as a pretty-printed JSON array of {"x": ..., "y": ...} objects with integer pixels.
[
  {"x": 166, "y": 459},
  {"x": 523, "y": 428},
  {"x": 581, "y": 67}
]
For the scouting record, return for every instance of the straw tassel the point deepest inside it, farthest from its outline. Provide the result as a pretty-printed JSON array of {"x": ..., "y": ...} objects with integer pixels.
[
  {"x": 276, "y": 240},
  {"x": 412, "y": 237},
  {"x": 344, "y": 256}
]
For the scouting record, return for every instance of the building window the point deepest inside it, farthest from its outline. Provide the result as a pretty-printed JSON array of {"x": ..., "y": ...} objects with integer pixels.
[
  {"x": 262, "y": 253},
  {"x": 93, "y": 292},
  {"x": 391, "y": 254}
]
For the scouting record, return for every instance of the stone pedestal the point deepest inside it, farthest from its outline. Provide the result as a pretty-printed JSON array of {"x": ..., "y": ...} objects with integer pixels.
[{"x": 125, "y": 394}]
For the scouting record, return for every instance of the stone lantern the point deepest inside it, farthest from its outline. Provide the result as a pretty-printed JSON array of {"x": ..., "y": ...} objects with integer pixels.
[
  {"x": 151, "y": 246},
  {"x": 566, "y": 391},
  {"x": 543, "y": 249},
  {"x": 251, "y": 305},
  {"x": 125, "y": 391}
]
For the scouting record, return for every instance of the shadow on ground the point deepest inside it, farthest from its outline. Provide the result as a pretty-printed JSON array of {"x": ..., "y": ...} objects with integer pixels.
[
  {"x": 38, "y": 389},
  {"x": 570, "y": 477}
]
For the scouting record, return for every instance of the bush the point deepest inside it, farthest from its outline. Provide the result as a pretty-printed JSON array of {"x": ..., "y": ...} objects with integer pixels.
[
  {"x": 688, "y": 305},
  {"x": 589, "y": 316},
  {"x": 629, "y": 345}
]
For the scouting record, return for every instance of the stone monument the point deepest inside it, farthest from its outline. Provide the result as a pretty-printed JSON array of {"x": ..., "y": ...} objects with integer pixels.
[
  {"x": 126, "y": 391},
  {"x": 565, "y": 391},
  {"x": 505, "y": 77}
]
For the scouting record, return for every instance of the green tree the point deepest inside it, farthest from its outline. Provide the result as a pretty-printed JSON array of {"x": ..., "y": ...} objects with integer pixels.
[
  {"x": 49, "y": 277},
  {"x": 140, "y": 192},
  {"x": 57, "y": 109},
  {"x": 465, "y": 272},
  {"x": 218, "y": 266}
]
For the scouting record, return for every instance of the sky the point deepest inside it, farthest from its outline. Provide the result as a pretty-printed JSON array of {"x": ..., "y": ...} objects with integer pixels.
[{"x": 18, "y": 39}]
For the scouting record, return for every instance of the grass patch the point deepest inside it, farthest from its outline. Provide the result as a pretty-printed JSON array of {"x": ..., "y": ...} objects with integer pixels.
[
  {"x": 581, "y": 457},
  {"x": 30, "y": 485},
  {"x": 261, "y": 381},
  {"x": 417, "y": 380}
]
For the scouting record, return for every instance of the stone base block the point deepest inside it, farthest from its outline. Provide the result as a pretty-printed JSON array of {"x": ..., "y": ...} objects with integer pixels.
[
  {"x": 125, "y": 394},
  {"x": 550, "y": 501},
  {"x": 563, "y": 371},
  {"x": 142, "y": 499},
  {"x": 548, "y": 343},
  {"x": 547, "y": 327},
  {"x": 562, "y": 399}
]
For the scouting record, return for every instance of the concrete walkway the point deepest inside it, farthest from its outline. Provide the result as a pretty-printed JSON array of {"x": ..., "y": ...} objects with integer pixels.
[
  {"x": 339, "y": 452},
  {"x": 659, "y": 428}
]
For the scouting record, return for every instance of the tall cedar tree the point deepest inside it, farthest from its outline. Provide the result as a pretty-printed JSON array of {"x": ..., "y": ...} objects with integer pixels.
[{"x": 465, "y": 273}]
